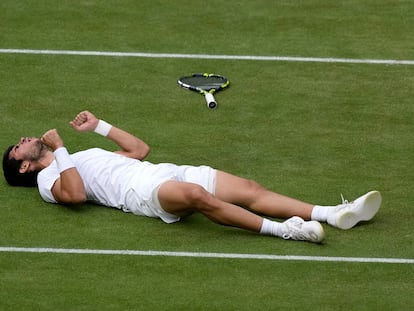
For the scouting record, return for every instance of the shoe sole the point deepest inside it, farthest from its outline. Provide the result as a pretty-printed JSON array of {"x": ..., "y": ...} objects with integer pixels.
[{"x": 366, "y": 211}]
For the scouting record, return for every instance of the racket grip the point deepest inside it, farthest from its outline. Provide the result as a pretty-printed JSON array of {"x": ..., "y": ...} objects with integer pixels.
[{"x": 210, "y": 100}]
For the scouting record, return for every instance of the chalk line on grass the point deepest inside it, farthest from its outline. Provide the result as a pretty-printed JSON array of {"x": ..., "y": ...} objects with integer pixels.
[
  {"x": 210, "y": 56},
  {"x": 203, "y": 255}
]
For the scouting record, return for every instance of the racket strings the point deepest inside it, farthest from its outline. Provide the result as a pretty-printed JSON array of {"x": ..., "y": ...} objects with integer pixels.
[{"x": 205, "y": 82}]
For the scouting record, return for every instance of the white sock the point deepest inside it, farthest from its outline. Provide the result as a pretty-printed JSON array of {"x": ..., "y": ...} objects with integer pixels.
[
  {"x": 270, "y": 227},
  {"x": 320, "y": 213}
]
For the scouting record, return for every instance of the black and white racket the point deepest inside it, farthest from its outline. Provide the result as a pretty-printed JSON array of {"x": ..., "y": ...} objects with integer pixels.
[{"x": 206, "y": 84}]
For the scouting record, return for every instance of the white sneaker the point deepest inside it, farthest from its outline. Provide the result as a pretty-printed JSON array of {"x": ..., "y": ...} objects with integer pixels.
[
  {"x": 348, "y": 214},
  {"x": 298, "y": 229}
]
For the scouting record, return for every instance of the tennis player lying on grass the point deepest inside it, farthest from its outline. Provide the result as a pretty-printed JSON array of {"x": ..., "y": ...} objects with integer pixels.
[{"x": 123, "y": 180}]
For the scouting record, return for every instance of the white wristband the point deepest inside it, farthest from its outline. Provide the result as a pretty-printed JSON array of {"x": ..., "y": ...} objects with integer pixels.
[
  {"x": 63, "y": 159},
  {"x": 103, "y": 128}
]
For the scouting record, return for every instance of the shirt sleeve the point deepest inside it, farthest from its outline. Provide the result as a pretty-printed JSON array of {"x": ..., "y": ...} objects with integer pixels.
[{"x": 45, "y": 181}]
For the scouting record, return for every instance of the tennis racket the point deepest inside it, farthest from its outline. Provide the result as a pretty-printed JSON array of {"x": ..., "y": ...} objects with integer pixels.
[{"x": 206, "y": 84}]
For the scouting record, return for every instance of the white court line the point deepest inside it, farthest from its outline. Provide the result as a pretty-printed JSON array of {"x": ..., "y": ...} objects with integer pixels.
[
  {"x": 203, "y": 255},
  {"x": 209, "y": 56}
]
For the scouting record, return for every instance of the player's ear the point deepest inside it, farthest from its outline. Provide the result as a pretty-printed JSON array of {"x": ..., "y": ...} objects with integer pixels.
[{"x": 24, "y": 167}]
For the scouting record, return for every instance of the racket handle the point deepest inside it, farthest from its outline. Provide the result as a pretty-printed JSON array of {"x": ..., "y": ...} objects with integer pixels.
[{"x": 210, "y": 100}]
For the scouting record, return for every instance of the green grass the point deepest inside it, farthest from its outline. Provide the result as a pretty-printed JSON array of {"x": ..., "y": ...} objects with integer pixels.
[
  {"x": 308, "y": 130},
  {"x": 79, "y": 282},
  {"x": 373, "y": 29}
]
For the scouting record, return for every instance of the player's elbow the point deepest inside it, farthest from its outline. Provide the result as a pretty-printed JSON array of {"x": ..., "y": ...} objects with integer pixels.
[
  {"x": 75, "y": 198},
  {"x": 79, "y": 199},
  {"x": 146, "y": 151},
  {"x": 142, "y": 152}
]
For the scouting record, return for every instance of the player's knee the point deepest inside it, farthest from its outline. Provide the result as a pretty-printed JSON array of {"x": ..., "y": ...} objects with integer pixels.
[
  {"x": 199, "y": 197},
  {"x": 197, "y": 194},
  {"x": 252, "y": 192},
  {"x": 253, "y": 186}
]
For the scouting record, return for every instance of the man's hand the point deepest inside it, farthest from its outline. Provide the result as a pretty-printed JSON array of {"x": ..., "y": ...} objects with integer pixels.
[
  {"x": 84, "y": 122},
  {"x": 52, "y": 139}
]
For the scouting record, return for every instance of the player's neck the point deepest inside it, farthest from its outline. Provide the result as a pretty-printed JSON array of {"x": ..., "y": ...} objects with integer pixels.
[{"x": 46, "y": 160}]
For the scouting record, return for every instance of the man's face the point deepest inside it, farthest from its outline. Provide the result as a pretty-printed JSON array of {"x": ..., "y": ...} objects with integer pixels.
[{"x": 28, "y": 148}]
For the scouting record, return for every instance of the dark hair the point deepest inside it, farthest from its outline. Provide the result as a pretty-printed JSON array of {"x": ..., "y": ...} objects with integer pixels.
[{"x": 13, "y": 176}]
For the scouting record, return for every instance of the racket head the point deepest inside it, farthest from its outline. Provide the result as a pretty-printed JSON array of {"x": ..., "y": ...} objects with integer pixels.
[{"x": 204, "y": 82}]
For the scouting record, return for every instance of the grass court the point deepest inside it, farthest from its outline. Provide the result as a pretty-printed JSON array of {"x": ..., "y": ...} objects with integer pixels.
[{"x": 311, "y": 129}]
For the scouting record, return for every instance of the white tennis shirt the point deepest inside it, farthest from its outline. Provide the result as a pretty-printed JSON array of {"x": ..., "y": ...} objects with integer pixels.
[
  {"x": 128, "y": 184},
  {"x": 108, "y": 177}
]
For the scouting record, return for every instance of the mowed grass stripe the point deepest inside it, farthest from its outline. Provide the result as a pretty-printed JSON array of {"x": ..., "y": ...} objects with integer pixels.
[
  {"x": 204, "y": 255},
  {"x": 211, "y": 56}
]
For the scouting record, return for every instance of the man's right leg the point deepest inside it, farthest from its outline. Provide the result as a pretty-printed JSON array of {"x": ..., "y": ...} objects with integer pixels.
[{"x": 181, "y": 199}]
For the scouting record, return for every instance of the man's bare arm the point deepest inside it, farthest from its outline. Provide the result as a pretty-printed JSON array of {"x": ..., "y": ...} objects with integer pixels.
[
  {"x": 69, "y": 188},
  {"x": 131, "y": 146}
]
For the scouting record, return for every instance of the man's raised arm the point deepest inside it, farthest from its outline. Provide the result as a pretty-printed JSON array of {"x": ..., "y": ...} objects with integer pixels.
[{"x": 131, "y": 146}]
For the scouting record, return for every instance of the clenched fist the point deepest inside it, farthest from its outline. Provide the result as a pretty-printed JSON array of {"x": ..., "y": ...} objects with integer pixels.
[
  {"x": 84, "y": 122},
  {"x": 52, "y": 139}
]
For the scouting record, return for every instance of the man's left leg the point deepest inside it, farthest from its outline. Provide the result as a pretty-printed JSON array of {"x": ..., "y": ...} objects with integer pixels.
[
  {"x": 252, "y": 195},
  {"x": 249, "y": 193}
]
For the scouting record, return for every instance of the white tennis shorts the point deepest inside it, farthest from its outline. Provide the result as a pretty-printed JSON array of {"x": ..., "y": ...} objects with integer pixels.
[{"x": 146, "y": 203}]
